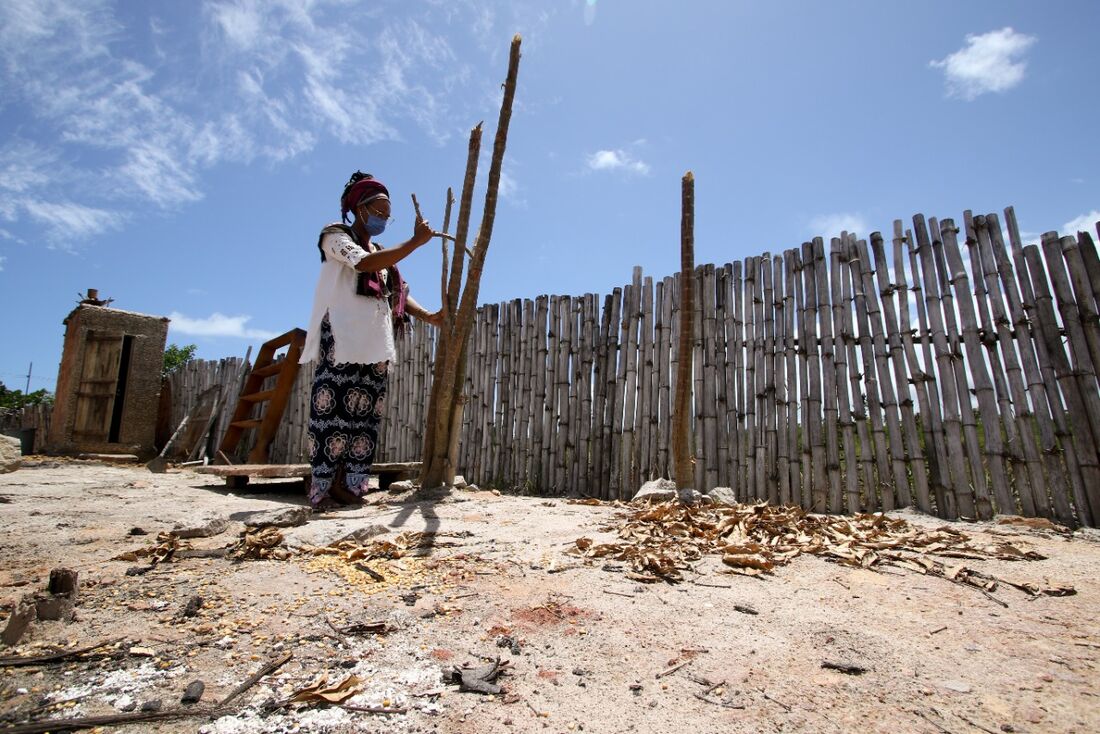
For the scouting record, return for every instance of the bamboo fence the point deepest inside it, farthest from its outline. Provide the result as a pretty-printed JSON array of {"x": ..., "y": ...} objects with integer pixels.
[{"x": 950, "y": 369}]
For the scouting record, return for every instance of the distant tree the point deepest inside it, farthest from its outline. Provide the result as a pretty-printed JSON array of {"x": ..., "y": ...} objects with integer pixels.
[
  {"x": 176, "y": 357},
  {"x": 15, "y": 399}
]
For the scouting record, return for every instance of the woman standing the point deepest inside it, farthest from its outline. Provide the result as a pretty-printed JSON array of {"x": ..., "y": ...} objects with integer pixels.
[{"x": 359, "y": 303}]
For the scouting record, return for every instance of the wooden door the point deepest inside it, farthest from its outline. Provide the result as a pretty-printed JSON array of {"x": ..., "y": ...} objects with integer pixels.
[{"x": 95, "y": 396}]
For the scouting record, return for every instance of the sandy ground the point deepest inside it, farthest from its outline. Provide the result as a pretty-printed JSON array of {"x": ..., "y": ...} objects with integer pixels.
[{"x": 585, "y": 645}]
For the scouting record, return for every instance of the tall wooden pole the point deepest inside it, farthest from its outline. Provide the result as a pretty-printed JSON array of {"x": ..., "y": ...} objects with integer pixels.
[{"x": 684, "y": 465}]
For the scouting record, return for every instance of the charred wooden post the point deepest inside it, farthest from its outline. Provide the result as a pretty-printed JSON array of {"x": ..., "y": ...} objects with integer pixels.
[{"x": 683, "y": 461}]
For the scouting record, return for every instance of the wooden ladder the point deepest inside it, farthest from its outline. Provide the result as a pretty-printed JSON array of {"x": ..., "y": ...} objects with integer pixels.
[{"x": 252, "y": 394}]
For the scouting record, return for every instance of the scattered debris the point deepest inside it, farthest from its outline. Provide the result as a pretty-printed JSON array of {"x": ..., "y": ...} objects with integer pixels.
[
  {"x": 846, "y": 668},
  {"x": 663, "y": 540},
  {"x": 672, "y": 669},
  {"x": 57, "y": 657},
  {"x": 265, "y": 543},
  {"x": 480, "y": 679},
  {"x": 163, "y": 550},
  {"x": 267, "y": 669},
  {"x": 191, "y": 608}
]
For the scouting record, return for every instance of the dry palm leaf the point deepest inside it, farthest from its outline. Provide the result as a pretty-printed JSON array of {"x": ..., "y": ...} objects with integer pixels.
[
  {"x": 321, "y": 691},
  {"x": 263, "y": 543},
  {"x": 166, "y": 546},
  {"x": 661, "y": 541}
]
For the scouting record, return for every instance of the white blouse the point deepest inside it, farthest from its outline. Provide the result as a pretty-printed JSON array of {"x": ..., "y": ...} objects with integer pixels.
[{"x": 361, "y": 325}]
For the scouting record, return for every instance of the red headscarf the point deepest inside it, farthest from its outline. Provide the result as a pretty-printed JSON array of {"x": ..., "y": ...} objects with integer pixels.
[{"x": 357, "y": 191}]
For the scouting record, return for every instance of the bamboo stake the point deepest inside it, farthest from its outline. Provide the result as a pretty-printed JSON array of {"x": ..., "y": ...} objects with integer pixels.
[
  {"x": 708, "y": 395},
  {"x": 611, "y": 408},
  {"x": 791, "y": 311},
  {"x": 987, "y": 402},
  {"x": 1080, "y": 375},
  {"x": 600, "y": 402},
  {"x": 1030, "y": 483},
  {"x": 900, "y": 494},
  {"x": 684, "y": 464},
  {"x": 972, "y": 443},
  {"x": 1046, "y": 397},
  {"x": 632, "y": 319},
  {"x": 664, "y": 398},
  {"x": 697, "y": 359},
  {"x": 782, "y": 349},
  {"x": 994, "y": 258},
  {"x": 804, "y": 380},
  {"x": 769, "y": 487},
  {"x": 813, "y": 426},
  {"x": 647, "y": 381},
  {"x": 1013, "y": 451},
  {"x": 898, "y": 360},
  {"x": 962, "y": 492},
  {"x": 838, "y": 257},
  {"x": 752, "y": 489},
  {"x": 735, "y": 344},
  {"x": 828, "y": 368}
]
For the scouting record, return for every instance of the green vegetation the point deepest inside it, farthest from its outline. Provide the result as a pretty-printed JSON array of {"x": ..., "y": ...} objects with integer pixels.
[{"x": 176, "y": 357}]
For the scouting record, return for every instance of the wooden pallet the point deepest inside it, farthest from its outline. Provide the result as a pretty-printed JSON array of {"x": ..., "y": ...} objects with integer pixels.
[
  {"x": 238, "y": 475},
  {"x": 253, "y": 395}
]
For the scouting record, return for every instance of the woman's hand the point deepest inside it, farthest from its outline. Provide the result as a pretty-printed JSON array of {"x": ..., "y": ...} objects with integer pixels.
[
  {"x": 435, "y": 319},
  {"x": 422, "y": 232}
]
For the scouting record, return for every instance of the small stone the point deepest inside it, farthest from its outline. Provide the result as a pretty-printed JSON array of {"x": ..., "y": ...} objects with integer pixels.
[
  {"x": 125, "y": 703},
  {"x": 193, "y": 692},
  {"x": 201, "y": 526},
  {"x": 722, "y": 496},
  {"x": 286, "y": 517},
  {"x": 690, "y": 497},
  {"x": 321, "y": 535},
  {"x": 460, "y": 482},
  {"x": 956, "y": 685},
  {"x": 191, "y": 608},
  {"x": 151, "y": 707},
  {"x": 657, "y": 490},
  {"x": 1047, "y": 677},
  {"x": 402, "y": 485},
  {"x": 11, "y": 454}
]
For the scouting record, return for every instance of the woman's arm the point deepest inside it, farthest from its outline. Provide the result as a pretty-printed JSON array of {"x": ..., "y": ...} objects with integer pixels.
[
  {"x": 383, "y": 259},
  {"x": 418, "y": 311}
]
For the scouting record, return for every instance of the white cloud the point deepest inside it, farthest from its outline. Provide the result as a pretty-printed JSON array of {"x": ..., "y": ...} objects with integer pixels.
[
  {"x": 66, "y": 223},
  {"x": 2, "y": 260},
  {"x": 614, "y": 160},
  {"x": 989, "y": 62},
  {"x": 217, "y": 324},
  {"x": 265, "y": 79},
  {"x": 1083, "y": 223},
  {"x": 831, "y": 225}
]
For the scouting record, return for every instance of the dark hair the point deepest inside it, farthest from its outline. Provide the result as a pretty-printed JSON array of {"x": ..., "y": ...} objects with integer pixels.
[{"x": 355, "y": 178}]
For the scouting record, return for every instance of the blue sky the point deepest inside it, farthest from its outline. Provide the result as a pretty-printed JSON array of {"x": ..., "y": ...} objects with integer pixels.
[{"x": 182, "y": 156}]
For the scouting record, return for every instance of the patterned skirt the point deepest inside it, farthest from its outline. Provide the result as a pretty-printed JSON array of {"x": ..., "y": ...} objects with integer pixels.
[{"x": 346, "y": 406}]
